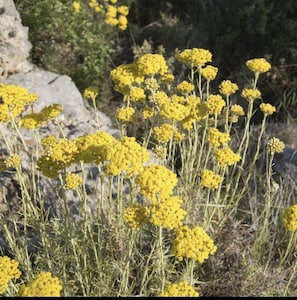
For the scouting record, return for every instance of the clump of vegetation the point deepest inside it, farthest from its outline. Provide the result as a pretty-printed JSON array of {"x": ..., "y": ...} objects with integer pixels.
[{"x": 181, "y": 209}]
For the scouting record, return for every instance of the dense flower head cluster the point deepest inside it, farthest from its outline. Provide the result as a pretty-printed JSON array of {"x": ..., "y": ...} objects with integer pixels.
[
  {"x": 127, "y": 156},
  {"x": 113, "y": 15},
  {"x": 73, "y": 181},
  {"x": 34, "y": 120},
  {"x": 156, "y": 182},
  {"x": 173, "y": 111},
  {"x": 237, "y": 110},
  {"x": 258, "y": 65},
  {"x": 180, "y": 289},
  {"x": 210, "y": 180},
  {"x": 167, "y": 213},
  {"x": 209, "y": 72},
  {"x": 225, "y": 156},
  {"x": 125, "y": 114},
  {"x": 165, "y": 132},
  {"x": 151, "y": 64},
  {"x": 193, "y": 243},
  {"x": 275, "y": 145},
  {"x": 215, "y": 104},
  {"x": 91, "y": 92},
  {"x": 267, "y": 108},
  {"x": 14, "y": 99},
  {"x": 289, "y": 217},
  {"x": 227, "y": 87},
  {"x": 197, "y": 57},
  {"x": 136, "y": 216},
  {"x": 251, "y": 94},
  {"x": 8, "y": 270},
  {"x": 43, "y": 285},
  {"x": 92, "y": 147},
  {"x": 217, "y": 138},
  {"x": 185, "y": 87},
  {"x": 137, "y": 94}
]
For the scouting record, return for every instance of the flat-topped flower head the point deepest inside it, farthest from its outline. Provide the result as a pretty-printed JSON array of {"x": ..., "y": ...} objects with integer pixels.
[
  {"x": 209, "y": 72},
  {"x": 136, "y": 216},
  {"x": 43, "y": 285},
  {"x": 226, "y": 157},
  {"x": 227, "y": 87},
  {"x": 193, "y": 243},
  {"x": 217, "y": 138},
  {"x": 180, "y": 289},
  {"x": 185, "y": 87},
  {"x": 151, "y": 64},
  {"x": 125, "y": 114},
  {"x": 251, "y": 94},
  {"x": 210, "y": 180},
  {"x": 73, "y": 181},
  {"x": 258, "y": 65},
  {"x": 275, "y": 145},
  {"x": 215, "y": 104},
  {"x": 9, "y": 269},
  {"x": 267, "y": 108},
  {"x": 197, "y": 57}
]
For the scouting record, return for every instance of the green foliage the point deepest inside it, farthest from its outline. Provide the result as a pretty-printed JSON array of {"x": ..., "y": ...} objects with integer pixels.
[{"x": 68, "y": 42}]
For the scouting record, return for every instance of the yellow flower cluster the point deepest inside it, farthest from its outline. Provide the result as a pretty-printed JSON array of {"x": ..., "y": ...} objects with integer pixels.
[
  {"x": 197, "y": 57},
  {"x": 34, "y": 120},
  {"x": 76, "y": 6},
  {"x": 275, "y": 145},
  {"x": 165, "y": 132},
  {"x": 156, "y": 182},
  {"x": 43, "y": 285},
  {"x": 217, "y": 138},
  {"x": 113, "y": 15},
  {"x": 125, "y": 114},
  {"x": 289, "y": 218},
  {"x": 181, "y": 289},
  {"x": 258, "y": 65},
  {"x": 126, "y": 155},
  {"x": 151, "y": 64},
  {"x": 13, "y": 161},
  {"x": 173, "y": 111},
  {"x": 13, "y": 101},
  {"x": 226, "y": 156},
  {"x": 251, "y": 94},
  {"x": 193, "y": 243},
  {"x": 8, "y": 270},
  {"x": 185, "y": 87},
  {"x": 215, "y": 104},
  {"x": 91, "y": 92},
  {"x": 227, "y": 87},
  {"x": 210, "y": 180},
  {"x": 136, "y": 216},
  {"x": 267, "y": 108},
  {"x": 137, "y": 94},
  {"x": 73, "y": 181},
  {"x": 167, "y": 212},
  {"x": 92, "y": 147},
  {"x": 209, "y": 72}
]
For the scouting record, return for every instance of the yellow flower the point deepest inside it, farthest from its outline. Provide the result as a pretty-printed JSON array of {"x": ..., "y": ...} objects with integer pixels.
[
  {"x": 156, "y": 182},
  {"x": 91, "y": 92},
  {"x": 185, "y": 87},
  {"x": 43, "y": 285},
  {"x": 13, "y": 161},
  {"x": 289, "y": 218},
  {"x": 148, "y": 112},
  {"x": 197, "y": 57},
  {"x": 174, "y": 111},
  {"x": 267, "y": 108},
  {"x": 275, "y": 145},
  {"x": 226, "y": 156},
  {"x": 122, "y": 22},
  {"x": 126, "y": 156},
  {"x": 181, "y": 289},
  {"x": 137, "y": 94},
  {"x": 123, "y": 10},
  {"x": 210, "y": 180},
  {"x": 76, "y": 6},
  {"x": 237, "y": 110},
  {"x": 151, "y": 64},
  {"x": 193, "y": 243},
  {"x": 125, "y": 114},
  {"x": 165, "y": 132},
  {"x": 167, "y": 212},
  {"x": 217, "y": 138},
  {"x": 136, "y": 216},
  {"x": 73, "y": 181},
  {"x": 8, "y": 270},
  {"x": 227, "y": 87},
  {"x": 215, "y": 104},
  {"x": 209, "y": 72},
  {"x": 258, "y": 65},
  {"x": 251, "y": 94}
]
